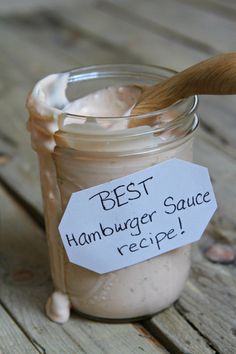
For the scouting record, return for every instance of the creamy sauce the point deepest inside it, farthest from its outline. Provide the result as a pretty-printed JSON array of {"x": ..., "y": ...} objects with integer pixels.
[
  {"x": 66, "y": 167},
  {"x": 107, "y": 102}
]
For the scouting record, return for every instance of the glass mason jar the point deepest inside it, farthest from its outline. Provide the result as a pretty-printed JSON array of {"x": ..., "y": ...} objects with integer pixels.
[{"x": 74, "y": 156}]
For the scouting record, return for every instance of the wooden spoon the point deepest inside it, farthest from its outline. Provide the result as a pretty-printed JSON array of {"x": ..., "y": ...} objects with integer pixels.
[{"x": 214, "y": 76}]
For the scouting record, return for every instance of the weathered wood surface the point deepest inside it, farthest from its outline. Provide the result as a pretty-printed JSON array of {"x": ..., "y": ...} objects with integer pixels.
[
  {"x": 25, "y": 285},
  {"x": 176, "y": 333},
  {"x": 201, "y": 33},
  {"x": 38, "y": 38},
  {"x": 209, "y": 307},
  {"x": 12, "y": 339}
]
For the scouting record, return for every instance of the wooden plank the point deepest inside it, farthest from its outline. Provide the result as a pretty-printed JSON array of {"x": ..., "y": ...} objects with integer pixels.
[
  {"x": 147, "y": 44},
  {"x": 225, "y": 8},
  {"x": 176, "y": 333},
  {"x": 114, "y": 338},
  {"x": 198, "y": 24},
  {"x": 222, "y": 169},
  {"x": 12, "y": 339},
  {"x": 209, "y": 303},
  {"x": 217, "y": 114},
  {"x": 227, "y": 3},
  {"x": 66, "y": 42},
  {"x": 28, "y": 6},
  {"x": 17, "y": 149},
  {"x": 25, "y": 285}
]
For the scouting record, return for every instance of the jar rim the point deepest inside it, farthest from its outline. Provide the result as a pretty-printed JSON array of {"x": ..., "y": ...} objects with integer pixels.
[
  {"x": 43, "y": 106},
  {"x": 93, "y": 74},
  {"x": 47, "y": 115}
]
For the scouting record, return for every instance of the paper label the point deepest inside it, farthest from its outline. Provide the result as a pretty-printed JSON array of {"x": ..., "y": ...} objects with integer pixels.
[{"x": 137, "y": 217}]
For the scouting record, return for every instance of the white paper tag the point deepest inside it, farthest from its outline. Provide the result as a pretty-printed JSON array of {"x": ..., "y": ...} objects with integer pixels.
[{"x": 137, "y": 217}]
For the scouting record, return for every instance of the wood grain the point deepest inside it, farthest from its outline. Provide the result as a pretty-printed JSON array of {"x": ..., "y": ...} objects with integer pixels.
[
  {"x": 12, "y": 339},
  {"x": 28, "y": 6},
  {"x": 226, "y": 9},
  {"x": 217, "y": 119},
  {"x": 209, "y": 303},
  {"x": 25, "y": 285},
  {"x": 199, "y": 27},
  {"x": 150, "y": 46},
  {"x": 176, "y": 333}
]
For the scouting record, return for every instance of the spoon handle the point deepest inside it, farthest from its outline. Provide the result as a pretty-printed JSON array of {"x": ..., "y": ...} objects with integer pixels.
[{"x": 214, "y": 76}]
